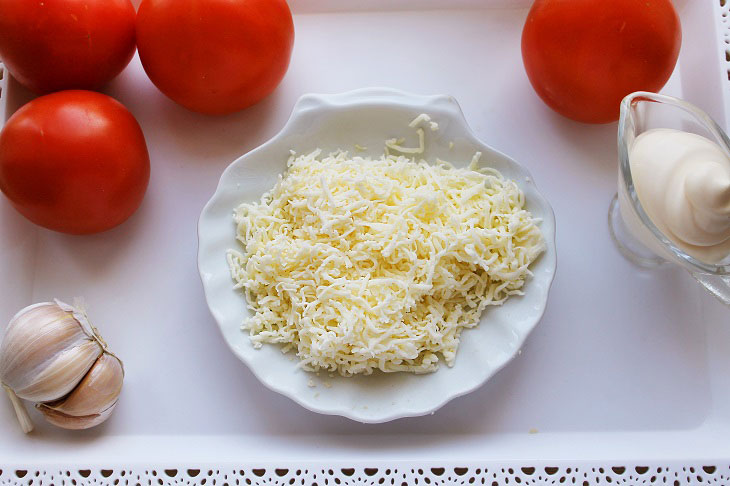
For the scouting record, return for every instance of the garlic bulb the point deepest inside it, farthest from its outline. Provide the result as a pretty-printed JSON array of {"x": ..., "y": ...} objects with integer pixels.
[{"x": 52, "y": 355}]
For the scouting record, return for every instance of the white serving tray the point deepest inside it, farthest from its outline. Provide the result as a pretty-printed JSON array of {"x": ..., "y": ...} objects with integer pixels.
[{"x": 627, "y": 369}]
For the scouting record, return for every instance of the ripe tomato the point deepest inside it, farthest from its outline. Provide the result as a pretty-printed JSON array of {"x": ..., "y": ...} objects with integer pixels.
[
  {"x": 74, "y": 161},
  {"x": 215, "y": 56},
  {"x": 50, "y": 45},
  {"x": 584, "y": 56}
]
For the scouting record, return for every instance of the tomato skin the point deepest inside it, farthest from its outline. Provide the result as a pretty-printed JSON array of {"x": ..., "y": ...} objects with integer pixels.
[
  {"x": 74, "y": 161},
  {"x": 215, "y": 56},
  {"x": 583, "y": 56},
  {"x": 51, "y": 45}
]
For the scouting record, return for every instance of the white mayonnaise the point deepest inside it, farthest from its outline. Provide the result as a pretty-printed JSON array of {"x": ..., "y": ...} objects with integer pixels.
[{"x": 683, "y": 183}]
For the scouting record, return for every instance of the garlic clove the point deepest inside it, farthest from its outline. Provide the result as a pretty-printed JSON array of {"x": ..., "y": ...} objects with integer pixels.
[
  {"x": 98, "y": 391},
  {"x": 61, "y": 374},
  {"x": 60, "y": 419},
  {"x": 33, "y": 338}
]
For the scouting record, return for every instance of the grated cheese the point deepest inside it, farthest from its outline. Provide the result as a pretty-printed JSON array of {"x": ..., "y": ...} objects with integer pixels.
[
  {"x": 423, "y": 117},
  {"x": 362, "y": 264},
  {"x": 397, "y": 144}
]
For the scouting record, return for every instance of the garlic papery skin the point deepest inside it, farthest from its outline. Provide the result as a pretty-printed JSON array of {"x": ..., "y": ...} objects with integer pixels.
[
  {"x": 60, "y": 419},
  {"x": 96, "y": 393},
  {"x": 51, "y": 354},
  {"x": 23, "y": 418}
]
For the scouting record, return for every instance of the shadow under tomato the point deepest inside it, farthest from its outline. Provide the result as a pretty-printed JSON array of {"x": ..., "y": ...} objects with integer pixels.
[
  {"x": 178, "y": 137},
  {"x": 543, "y": 130},
  {"x": 17, "y": 95},
  {"x": 218, "y": 139},
  {"x": 99, "y": 253}
]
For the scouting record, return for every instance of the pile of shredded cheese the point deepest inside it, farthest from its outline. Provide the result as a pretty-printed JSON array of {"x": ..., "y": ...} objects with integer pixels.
[{"x": 363, "y": 264}]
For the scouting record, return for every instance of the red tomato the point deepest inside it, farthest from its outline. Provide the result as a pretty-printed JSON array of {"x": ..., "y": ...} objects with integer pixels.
[
  {"x": 74, "y": 161},
  {"x": 50, "y": 45},
  {"x": 215, "y": 56},
  {"x": 584, "y": 56}
]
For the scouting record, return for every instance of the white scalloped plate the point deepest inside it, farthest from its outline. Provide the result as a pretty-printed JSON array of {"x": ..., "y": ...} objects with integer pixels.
[{"x": 368, "y": 117}]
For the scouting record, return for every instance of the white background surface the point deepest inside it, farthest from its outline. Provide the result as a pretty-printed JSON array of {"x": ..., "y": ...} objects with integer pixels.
[{"x": 625, "y": 364}]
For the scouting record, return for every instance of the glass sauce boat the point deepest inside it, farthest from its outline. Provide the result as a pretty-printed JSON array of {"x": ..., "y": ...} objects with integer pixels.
[{"x": 638, "y": 239}]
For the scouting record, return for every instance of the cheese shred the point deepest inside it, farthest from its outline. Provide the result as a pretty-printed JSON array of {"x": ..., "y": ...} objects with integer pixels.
[{"x": 363, "y": 264}]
